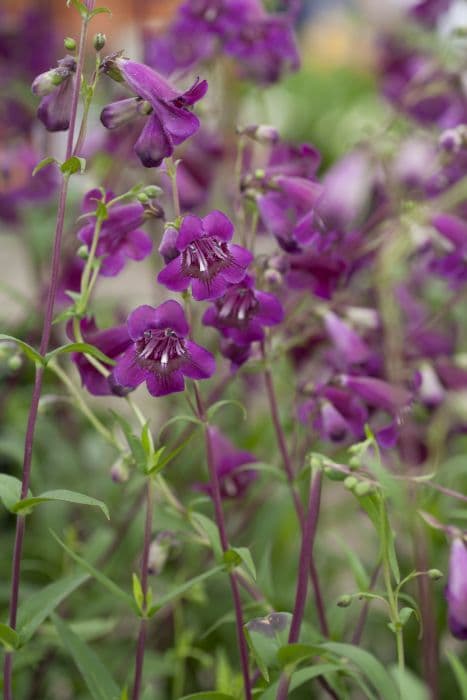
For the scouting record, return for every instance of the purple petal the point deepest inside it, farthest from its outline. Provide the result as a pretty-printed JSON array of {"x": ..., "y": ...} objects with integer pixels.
[
  {"x": 213, "y": 288},
  {"x": 112, "y": 265},
  {"x": 86, "y": 234},
  {"x": 54, "y": 110},
  {"x": 252, "y": 333},
  {"x": 196, "y": 92},
  {"x": 173, "y": 277},
  {"x": 140, "y": 320},
  {"x": 345, "y": 339},
  {"x": 153, "y": 144},
  {"x": 218, "y": 225},
  {"x": 190, "y": 230},
  {"x": 451, "y": 227},
  {"x": 137, "y": 246},
  {"x": 201, "y": 364},
  {"x": 270, "y": 311},
  {"x": 210, "y": 316},
  {"x": 456, "y": 590},
  {"x": 120, "y": 113},
  {"x": 171, "y": 315},
  {"x": 163, "y": 384},
  {"x": 168, "y": 248},
  {"x": 127, "y": 372},
  {"x": 145, "y": 82},
  {"x": 241, "y": 258},
  {"x": 377, "y": 392},
  {"x": 177, "y": 122}
]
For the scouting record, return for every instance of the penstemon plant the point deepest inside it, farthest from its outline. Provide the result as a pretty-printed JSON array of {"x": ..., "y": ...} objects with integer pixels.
[{"x": 274, "y": 431}]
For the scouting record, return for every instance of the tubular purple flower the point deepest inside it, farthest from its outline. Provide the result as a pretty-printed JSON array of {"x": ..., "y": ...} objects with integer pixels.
[
  {"x": 207, "y": 260},
  {"x": 453, "y": 228},
  {"x": 378, "y": 393},
  {"x": 233, "y": 482},
  {"x": 56, "y": 89},
  {"x": 169, "y": 121},
  {"x": 349, "y": 344},
  {"x": 456, "y": 590},
  {"x": 161, "y": 354}
]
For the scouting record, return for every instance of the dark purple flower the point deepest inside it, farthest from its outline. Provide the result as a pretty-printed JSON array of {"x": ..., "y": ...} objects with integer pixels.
[
  {"x": 456, "y": 590},
  {"x": 237, "y": 354},
  {"x": 378, "y": 393},
  {"x": 207, "y": 260},
  {"x": 348, "y": 343},
  {"x": 243, "y": 311},
  {"x": 233, "y": 481},
  {"x": 160, "y": 353},
  {"x": 336, "y": 415},
  {"x": 295, "y": 161},
  {"x": 169, "y": 120},
  {"x": 427, "y": 12},
  {"x": 120, "y": 235},
  {"x": 112, "y": 342},
  {"x": 56, "y": 89},
  {"x": 197, "y": 169}
]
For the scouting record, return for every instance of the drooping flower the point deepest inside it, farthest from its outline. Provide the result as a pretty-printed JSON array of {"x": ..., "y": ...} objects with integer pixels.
[
  {"x": 456, "y": 590},
  {"x": 120, "y": 236},
  {"x": 161, "y": 354},
  {"x": 112, "y": 342},
  {"x": 207, "y": 260},
  {"x": 169, "y": 120},
  {"x": 56, "y": 89},
  {"x": 348, "y": 343},
  {"x": 378, "y": 393},
  {"x": 233, "y": 481},
  {"x": 242, "y": 311}
]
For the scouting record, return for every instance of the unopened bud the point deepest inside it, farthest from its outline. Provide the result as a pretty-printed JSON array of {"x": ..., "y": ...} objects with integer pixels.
[
  {"x": 15, "y": 362},
  {"x": 45, "y": 83},
  {"x": 363, "y": 488},
  {"x": 69, "y": 44},
  {"x": 273, "y": 278},
  {"x": 152, "y": 191},
  {"x": 344, "y": 601},
  {"x": 354, "y": 462},
  {"x": 142, "y": 197},
  {"x": 435, "y": 574},
  {"x": 262, "y": 133},
  {"x": 350, "y": 483},
  {"x": 119, "y": 472},
  {"x": 99, "y": 41},
  {"x": 83, "y": 252}
]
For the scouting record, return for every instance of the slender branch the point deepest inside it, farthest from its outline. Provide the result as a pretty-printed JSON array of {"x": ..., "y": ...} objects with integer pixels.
[
  {"x": 141, "y": 644},
  {"x": 282, "y": 443},
  {"x": 216, "y": 497},
  {"x": 357, "y": 635},
  {"x": 43, "y": 347}
]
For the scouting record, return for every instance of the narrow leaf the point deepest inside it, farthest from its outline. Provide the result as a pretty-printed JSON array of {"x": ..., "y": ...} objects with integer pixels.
[
  {"x": 43, "y": 164},
  {"x": 100, "y": 11},
  {"x": 247, "y": 560},
  {"x": 27, "y": 349},
  {"x": 10, "y": 491},
  {"x": 183, "y": 588},
  {"x": 8, "y": 637},
  {"x": 300, "y": 677},
  {"x": 84, "y": 348},
  {"x": 460, "y": 674},
  {"x": 212, "y": 410},
  {"x": 60, "y": 495},
  {"x": 75, "y": 164}
]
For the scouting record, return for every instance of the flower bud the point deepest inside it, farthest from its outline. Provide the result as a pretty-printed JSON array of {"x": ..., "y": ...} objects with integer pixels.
[
  {"x": 273, "y": 278},
  {"x": 15, "y": 362},
  {"x": 350, "y": 483},
  {"x": 142, "y": 197},
  {"x": 83, "y": 252},
  {"x": 152, "y": 191},
  {"x": 99, "y": 41},
  {"x": 363, "y": 488},
  {"x": 262, "y": 133},
  {"x": 119, "y": 472},
  {"x": 69, "y": 44},
  {"x": 45, "y": 83},
  {"x": 435, "y": 574},
  {"x": 344, "y": 601}
]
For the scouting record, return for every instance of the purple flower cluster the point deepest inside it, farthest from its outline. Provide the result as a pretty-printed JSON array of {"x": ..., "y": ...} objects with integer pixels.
[{"x": 260, "y": 42}]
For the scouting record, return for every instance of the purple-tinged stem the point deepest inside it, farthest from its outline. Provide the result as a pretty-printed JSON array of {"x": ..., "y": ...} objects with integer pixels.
[
  {"x": 308, "y": 537},
  {"x": 217, "y": 500},
  {"x": 43, "y": 347},
  {"x": 141, "y": 645},
  {"x": 281, "y": 441},
  {"x": 357, "y": 635}
]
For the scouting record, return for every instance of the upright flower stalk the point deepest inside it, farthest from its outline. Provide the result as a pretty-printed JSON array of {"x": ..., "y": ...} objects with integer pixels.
[{"x": 43, "y": 347}]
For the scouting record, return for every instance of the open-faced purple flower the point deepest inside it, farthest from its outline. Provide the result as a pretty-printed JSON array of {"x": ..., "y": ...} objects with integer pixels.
[
  {"x": 56, "y": 89},
  {"x": 161, "y": 354},
  {"x": 169, "y": 120},
  {"x": 112, "y": 342},
  {"x": 242, "y": 312},
  {"x": 120, "y": 236},
  {"x": 233, "y": 481},
  {"x": 456, "y": 590},
  {"x": 207, "y": 259}
]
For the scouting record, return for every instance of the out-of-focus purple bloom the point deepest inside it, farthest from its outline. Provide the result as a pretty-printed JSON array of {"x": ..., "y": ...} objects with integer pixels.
[
  {"x": 233, "y": 481},
  {"x": 287, "y": 159},
  {"x": 320, "y": 274},
  {"x": 347, "y": 341},
  {"x": 414, "y": 163},
  {"x": 336, "y": 415},
  {"x": 161, "y": 354},
  {"x": 207, "y": 261},
  {"x": 452, "y": 264},
  {"x": 120, "y": 235},
  {"x": 197, "y": 169},
  {"x": 169, "y": 120},
  {"x": 237, "y": 354},
  {"x": 456, "y": 590},
  {"x": 112, "y": 342},
  {"x": 243, "y": 311},
  {"x": 427, "y": 12},
  {"x": 70, "y": 279},
  {"x": 56, "y": 89},
  {"x": 378, "y": 393}
]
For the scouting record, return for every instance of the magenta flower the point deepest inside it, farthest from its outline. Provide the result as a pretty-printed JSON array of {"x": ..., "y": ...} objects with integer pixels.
[
  {"x": 233, "y": 481},
  {"x": 169, "y": 120},
  {"x": 207, "y": 260},
  {"x": 242, "y": 311},
  {"x": 336, "y": 415},
  {"x": 347, "y": 342},
  {"x": 456, "y": 590},
  {"x": 378, "y": 393},
  {"x": 120, "y": 235},
  {"x": 160, "y": 353},
  {"x": 56, "y": 89}
]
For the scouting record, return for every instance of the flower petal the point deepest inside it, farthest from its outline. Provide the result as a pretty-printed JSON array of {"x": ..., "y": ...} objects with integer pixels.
[
  {"x": 170, "y": 314},
  {"x": 120, "y": 113},
  {"x": 145, "y": 82},
  {"x": 270, "y": 311},
  {"x": 190, "y": 230},
  {"x": 153, "y": 144},
  {"x": 218, "y": 225},
  {"x": 173, "y": 277},
  {"x": 163, "y": 384},
  {"x": 178, "y": 122},
  {"x": 112, "y": 265},
  {"x": 137, "y": 246},
  {"x": 142, "y": 318},
  {"x": 201, "y": 364},
  {"x": 208, "y": 289},
  {"x": 127, "y": 372}
]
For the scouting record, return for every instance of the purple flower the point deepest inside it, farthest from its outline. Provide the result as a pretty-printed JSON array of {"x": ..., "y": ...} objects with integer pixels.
[
  {"x": 456, "y": 590},
  {"x": 427, "y": 12},
  {"x": 197, "y": 170},
  {"x": 233, "y": 481},
  {"x": 169, "y": 120},
  {"x": 206, "y": 259},
  {"x": 378, "y": 393},
  {"x": 347, "y": 342},
  {"x": 112, "y": 342},
  {"x": 243, "y": 311},
  {"x": 56, "y": 89},
  {"x": 160, "y": 353},
  {"x": 336, "y": 415},
  {"x": 120, "y": 236}
]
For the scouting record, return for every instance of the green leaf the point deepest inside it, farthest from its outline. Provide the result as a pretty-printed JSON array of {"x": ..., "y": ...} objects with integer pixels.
[
  {"x": 410, "y": 686},
  {"x": 369, "y": 665},
  {"x": 75, "y": 164},
  {"x": 100, "y": 11},
  {"x": 265, "y": 636},
  {"x": 266, "y": 468},
  {"x": 300, "y": 677},
  {"x": 159, "y": 463},
  {"x": 177, "y": 419},
  {"x": 210, "y": 528},
  {"x": 138, "y": 594},
  {"x": 212, "y": 410},
  {"x": 208, "y": 695},
  {"x": 293, "y": 653},
  {"x": 43, "y": 164},
  {"x": 146, "y": 439},
  {"x": 134, "y": 443},
  {"x": 460, "y": 674},
  {"x": 98, "y": 575},
  {"x": 405, "y": 614},
  {"x": 183, "y": 588},
  {"x": 100, "y": 683},
  {"x": 9, "y": 638},
  {"x": 27, "y": 349},
  {"x": 37, "y": 607},
  {"x": 84, "y": 348},
  {"x": 10, "y": 491},
  {"x": 60, "y": 495},
  {"x": 246, "y": 559},
  {"x": 80, "y": 6}
]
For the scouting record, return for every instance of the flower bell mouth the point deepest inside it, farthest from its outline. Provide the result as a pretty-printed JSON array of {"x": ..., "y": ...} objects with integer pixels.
[
  {"x": 206, "y": 257},
  {"x": 161, "y": 350},
  {"x": 238, "y": 307}
]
